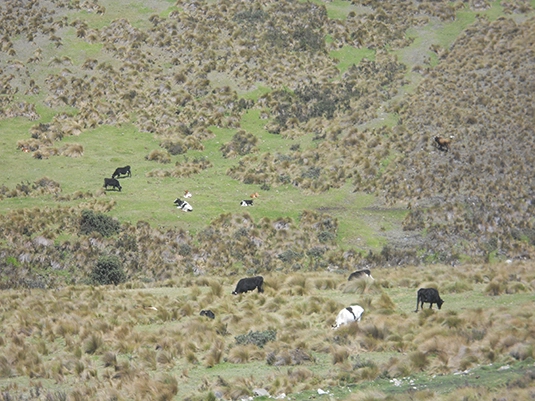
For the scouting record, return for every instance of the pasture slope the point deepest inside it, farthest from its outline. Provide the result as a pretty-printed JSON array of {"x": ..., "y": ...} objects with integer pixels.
[{"x": 327, "y": 110}]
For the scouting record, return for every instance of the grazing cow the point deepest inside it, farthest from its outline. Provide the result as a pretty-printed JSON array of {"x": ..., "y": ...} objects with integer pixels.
[
  {"x": 360, "y": 273},
  {"x": 112, "y": 182},
  {"x": 246, "y": 202},
  {"x": 443, "y": 143},
  {"x": 429, "y": 295},
  {"x": 187, "y": 194},
  {"x": 249, "y": 284},
  {"x": 185, "y": 206},
  {"x": 347, "y": 315},
  {"x": 208, "y": 313},
  {"x": 122, "y": 171}
]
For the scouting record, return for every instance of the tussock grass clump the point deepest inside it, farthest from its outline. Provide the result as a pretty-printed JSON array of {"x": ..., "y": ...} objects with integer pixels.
[
  {"x": 339, "y": 354},
  {"x": 361, "y": 286},
  {"x": 93, "y": 344},
  {"x": 241, "y": 354},
  {"x": 495, "y": 288},
  {"x": 160, "y": 156},
  {"x": 109, "y": 359},
  {"x": 73, "y": 150}
]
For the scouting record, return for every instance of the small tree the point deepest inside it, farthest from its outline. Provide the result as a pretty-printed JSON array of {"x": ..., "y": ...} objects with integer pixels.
[{"x": 108, "y": 270}]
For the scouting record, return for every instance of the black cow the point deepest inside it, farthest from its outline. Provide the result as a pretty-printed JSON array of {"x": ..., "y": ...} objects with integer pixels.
[
  {"x": 360, "y": 273},
  {"x": 112, "y": 182},
  {"x": 122, "y": 171},
  {"x": 246, "y": 202},
  {"x": 208, "y": 313},
  {"x": 429, "y": 295},
  {"x": 249, "y": 284}
]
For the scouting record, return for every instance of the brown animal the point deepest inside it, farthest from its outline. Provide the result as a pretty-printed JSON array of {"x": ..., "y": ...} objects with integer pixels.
[
  {"x": 255, "y": 195},
  {"x": 443, "y": 143}
]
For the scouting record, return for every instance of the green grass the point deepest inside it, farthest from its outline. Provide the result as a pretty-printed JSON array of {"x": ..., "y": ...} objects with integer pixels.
[{"x": 348, "y": 56}]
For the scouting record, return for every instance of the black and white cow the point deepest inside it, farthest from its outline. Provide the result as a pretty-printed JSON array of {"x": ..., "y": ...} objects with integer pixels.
[
  {"x": 185, "y": 206},
  {"x": 249, "y": 284},
  {"x": 122, "y": 171},
  {"x": 208, "y": 313},
  {"x": 246, "y": 202},
  {"x": 360, "y": 273},
  {"x": 347, "y": 315},
  {"x": 429, "y": 295},
  {"x": 112, "y": 182}
]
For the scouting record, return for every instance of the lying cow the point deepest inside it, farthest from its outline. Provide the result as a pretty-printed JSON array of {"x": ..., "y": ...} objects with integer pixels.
[
  {"x": 122, "y": 171},
  {"x": 360, "y": 273},
  {"x": 112, "y": 182},
  {"x": 429, "y": 295},
  {"x": 185, "y": 206},
  {"x": 187, "y": 194},
  {"x": 208, "y": 313},
  {"x": 347, "y": 315},
  {"x": 249, "y": 284},
  {"x": 443, "y": 143},
  {"x": 246, "y": 202}
]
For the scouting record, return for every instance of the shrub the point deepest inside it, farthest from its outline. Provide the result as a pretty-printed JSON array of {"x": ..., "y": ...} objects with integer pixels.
[
  {"x": 108, "y": 270},
  {"x": 94, "y": 221},
  {"x": 258, "y": 338}
]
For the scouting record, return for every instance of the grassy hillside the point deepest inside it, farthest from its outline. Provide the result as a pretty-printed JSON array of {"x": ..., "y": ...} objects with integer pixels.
[{"x": 327, "y": 110}]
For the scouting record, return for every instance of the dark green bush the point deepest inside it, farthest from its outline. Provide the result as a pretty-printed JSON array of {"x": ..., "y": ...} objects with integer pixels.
[
  {"x": 108, "y": 270},
  {"x": 94, "y": 221},
  {"x": 258, "y": 338}
]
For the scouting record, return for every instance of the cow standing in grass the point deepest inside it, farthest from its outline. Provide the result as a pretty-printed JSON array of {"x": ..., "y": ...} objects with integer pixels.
[
  {"x": 112, "y": 182},
  {"x": 347, "y": 315},
  {"x": 429, "y": 295},
  {"x": 122, "y": 171},
  {"x": 249, "y": 284}
]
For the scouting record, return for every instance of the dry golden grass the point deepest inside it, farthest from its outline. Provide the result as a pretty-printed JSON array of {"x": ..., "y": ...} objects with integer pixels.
[{"x": 135, "y": 344}]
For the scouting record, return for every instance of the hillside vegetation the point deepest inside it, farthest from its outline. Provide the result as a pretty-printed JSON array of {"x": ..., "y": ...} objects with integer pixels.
[
  {"x": 328, "y": 111},
  {"x": 220, "y": 101},
  {"x": 143, "y": 342}
]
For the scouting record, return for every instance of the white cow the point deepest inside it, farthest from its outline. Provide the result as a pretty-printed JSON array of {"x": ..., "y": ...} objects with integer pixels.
[
  {"x": 347, "y": 315},
  {"x": 185, "y": 206}
]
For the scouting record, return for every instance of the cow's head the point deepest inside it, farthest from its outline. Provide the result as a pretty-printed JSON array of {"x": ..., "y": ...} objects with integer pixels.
[{"x": 440, "y": 302}]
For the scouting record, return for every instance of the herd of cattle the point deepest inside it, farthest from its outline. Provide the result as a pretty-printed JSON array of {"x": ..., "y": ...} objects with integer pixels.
[
  {"x": 113, "y": 181},
  {"x": 121, "y": 172},
  {"x": 347, "y": 315}
]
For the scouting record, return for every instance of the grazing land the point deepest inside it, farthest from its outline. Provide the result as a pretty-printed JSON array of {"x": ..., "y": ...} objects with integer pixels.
[{"x": 325, "y": 112}]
